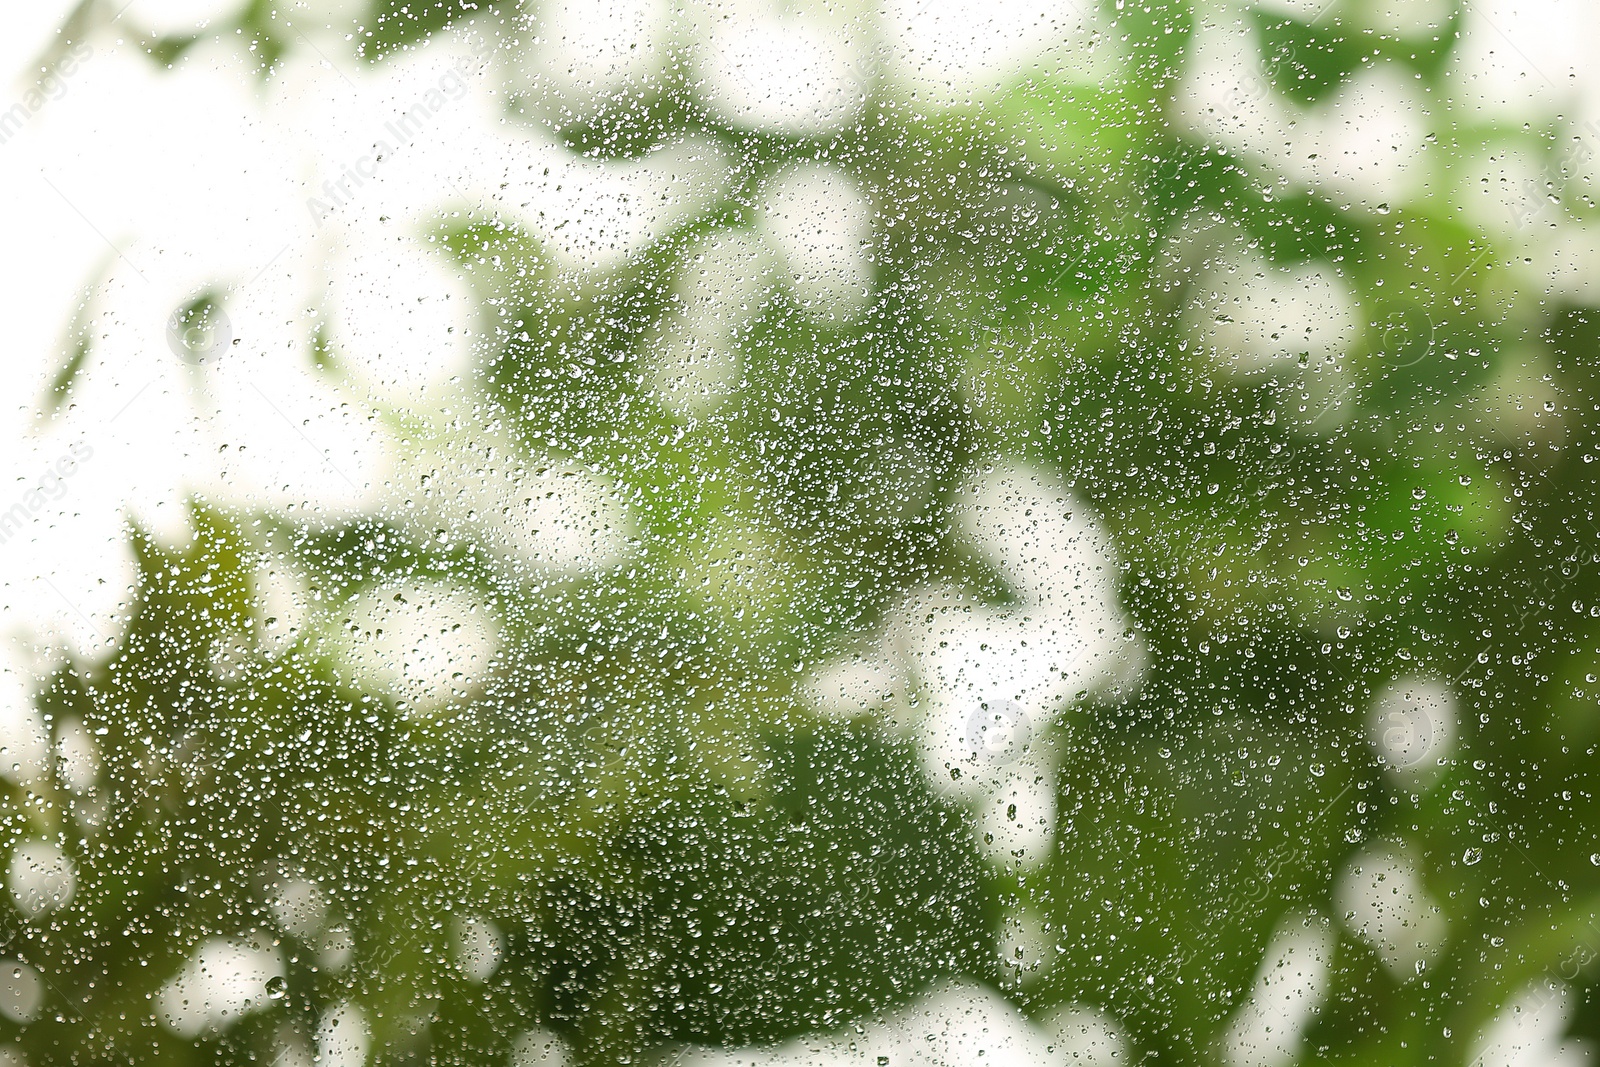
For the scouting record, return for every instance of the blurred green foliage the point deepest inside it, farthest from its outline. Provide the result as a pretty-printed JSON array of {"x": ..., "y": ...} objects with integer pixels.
[{"x": 677, "y": 849}]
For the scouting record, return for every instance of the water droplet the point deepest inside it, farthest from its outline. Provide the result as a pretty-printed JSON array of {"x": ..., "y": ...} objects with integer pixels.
[
  {"x": 1471, "y": 856},
  {"x": 277, "y": 986}
]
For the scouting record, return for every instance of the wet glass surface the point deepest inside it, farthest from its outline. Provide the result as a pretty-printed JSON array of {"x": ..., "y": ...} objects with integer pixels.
[{"x": 683, "y": 533}]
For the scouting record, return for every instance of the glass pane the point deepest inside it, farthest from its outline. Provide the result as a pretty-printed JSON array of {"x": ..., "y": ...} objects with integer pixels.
[{"x": 674, "y": 532}]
